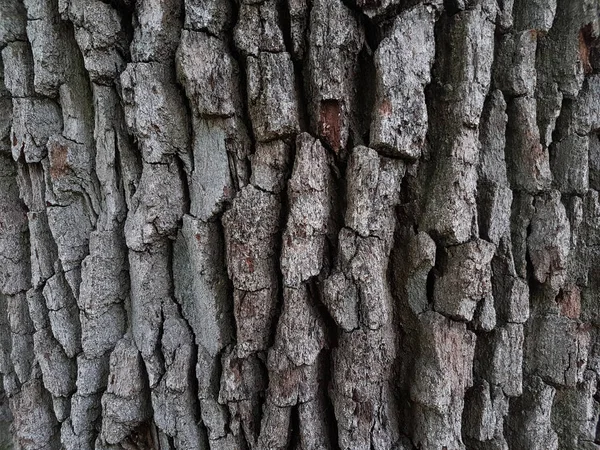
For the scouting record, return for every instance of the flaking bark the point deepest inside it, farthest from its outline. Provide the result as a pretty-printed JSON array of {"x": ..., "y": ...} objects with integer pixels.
[{"x": 303, "y": 224}]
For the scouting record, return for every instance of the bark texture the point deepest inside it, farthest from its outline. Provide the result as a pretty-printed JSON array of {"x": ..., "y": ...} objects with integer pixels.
[{"x": 303, "y": 224}]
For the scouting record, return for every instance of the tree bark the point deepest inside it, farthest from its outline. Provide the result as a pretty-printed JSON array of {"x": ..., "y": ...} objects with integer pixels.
[{"x": 303, "y": 224}]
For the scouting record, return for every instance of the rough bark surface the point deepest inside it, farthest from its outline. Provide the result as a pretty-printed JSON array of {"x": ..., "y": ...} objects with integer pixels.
[{"x": 303, "y": 224}]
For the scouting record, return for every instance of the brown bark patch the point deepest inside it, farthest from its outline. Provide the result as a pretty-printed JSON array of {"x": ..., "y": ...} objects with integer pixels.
[
  {"x": 14, "y": 140},
  {"x": 386, "y": 107},
  {"x": 228, "y": 192},
  {"x": 288, "y": 382},
  {"x": 236, "y": 369},
  {"x": 537, "y": 155},
  {"x": 250, "y": 264},
  {"x": 589, "y": 47},
  {"x": 569, "y": 301},
  {"x": 584, "y": 53},
  {"x": 329, "y": 123},
  {"x": 58, "y": 160}
]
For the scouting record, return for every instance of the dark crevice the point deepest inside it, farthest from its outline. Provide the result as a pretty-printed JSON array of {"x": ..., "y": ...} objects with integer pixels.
[
  {"x": 118, "y": 169},
  {"x": 589, "y": 49},
  {"x": 283, "y": 15},
  {"x": 294, "y": 437},
  {"x": 143, "y": 437},
  {"x": 596, "y": 398},
  {"x": 438, "y": 111},
  {"x": 171, "y": 442},
  {"x": 329, "y": 413},
  {"x": 337, "y": 216},
  {"x": 283, "y": 218},
  {"x": 435, "y": 272},
  {"x": 562, "y": 125},
  {"x": 331, "y": 329},
  {"x": 536, "y": 289},
  {"x": 183, "y": 175},
  {"x": 363, "y": 100},
  {"x": 407, "y": 209},
  {"x": 374, "y": 33},
  {"x": 453, "y": 7},
  {"x": 123, "y": 6},
  {"x": 191, "y": 378},
  {"x": 189, "y": 151},
  {"x": 403, "y": 322},
  {"x": 127, "y": 30},
  {"x": 303, "y": 91},
  {"x": 387, "y": 15},
  {"x": 243, "y": 77}
]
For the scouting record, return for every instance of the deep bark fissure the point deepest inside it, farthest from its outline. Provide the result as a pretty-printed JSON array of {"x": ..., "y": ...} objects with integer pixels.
[{"x": 300, "y": 224}]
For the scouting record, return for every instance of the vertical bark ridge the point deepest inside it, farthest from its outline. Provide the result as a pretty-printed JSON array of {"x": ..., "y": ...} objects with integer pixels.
[{"x": 307, "y": 224}]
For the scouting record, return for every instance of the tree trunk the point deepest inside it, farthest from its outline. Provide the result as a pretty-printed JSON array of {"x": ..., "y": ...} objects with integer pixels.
[{"x": 304, "y": 224}]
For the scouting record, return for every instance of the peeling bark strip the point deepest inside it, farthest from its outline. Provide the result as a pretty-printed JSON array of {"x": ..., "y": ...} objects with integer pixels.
[{"x": 299, "y": 224}]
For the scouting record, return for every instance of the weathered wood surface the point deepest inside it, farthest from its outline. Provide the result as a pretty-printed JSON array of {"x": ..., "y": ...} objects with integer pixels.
[{"x": 303, "y": 224}]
